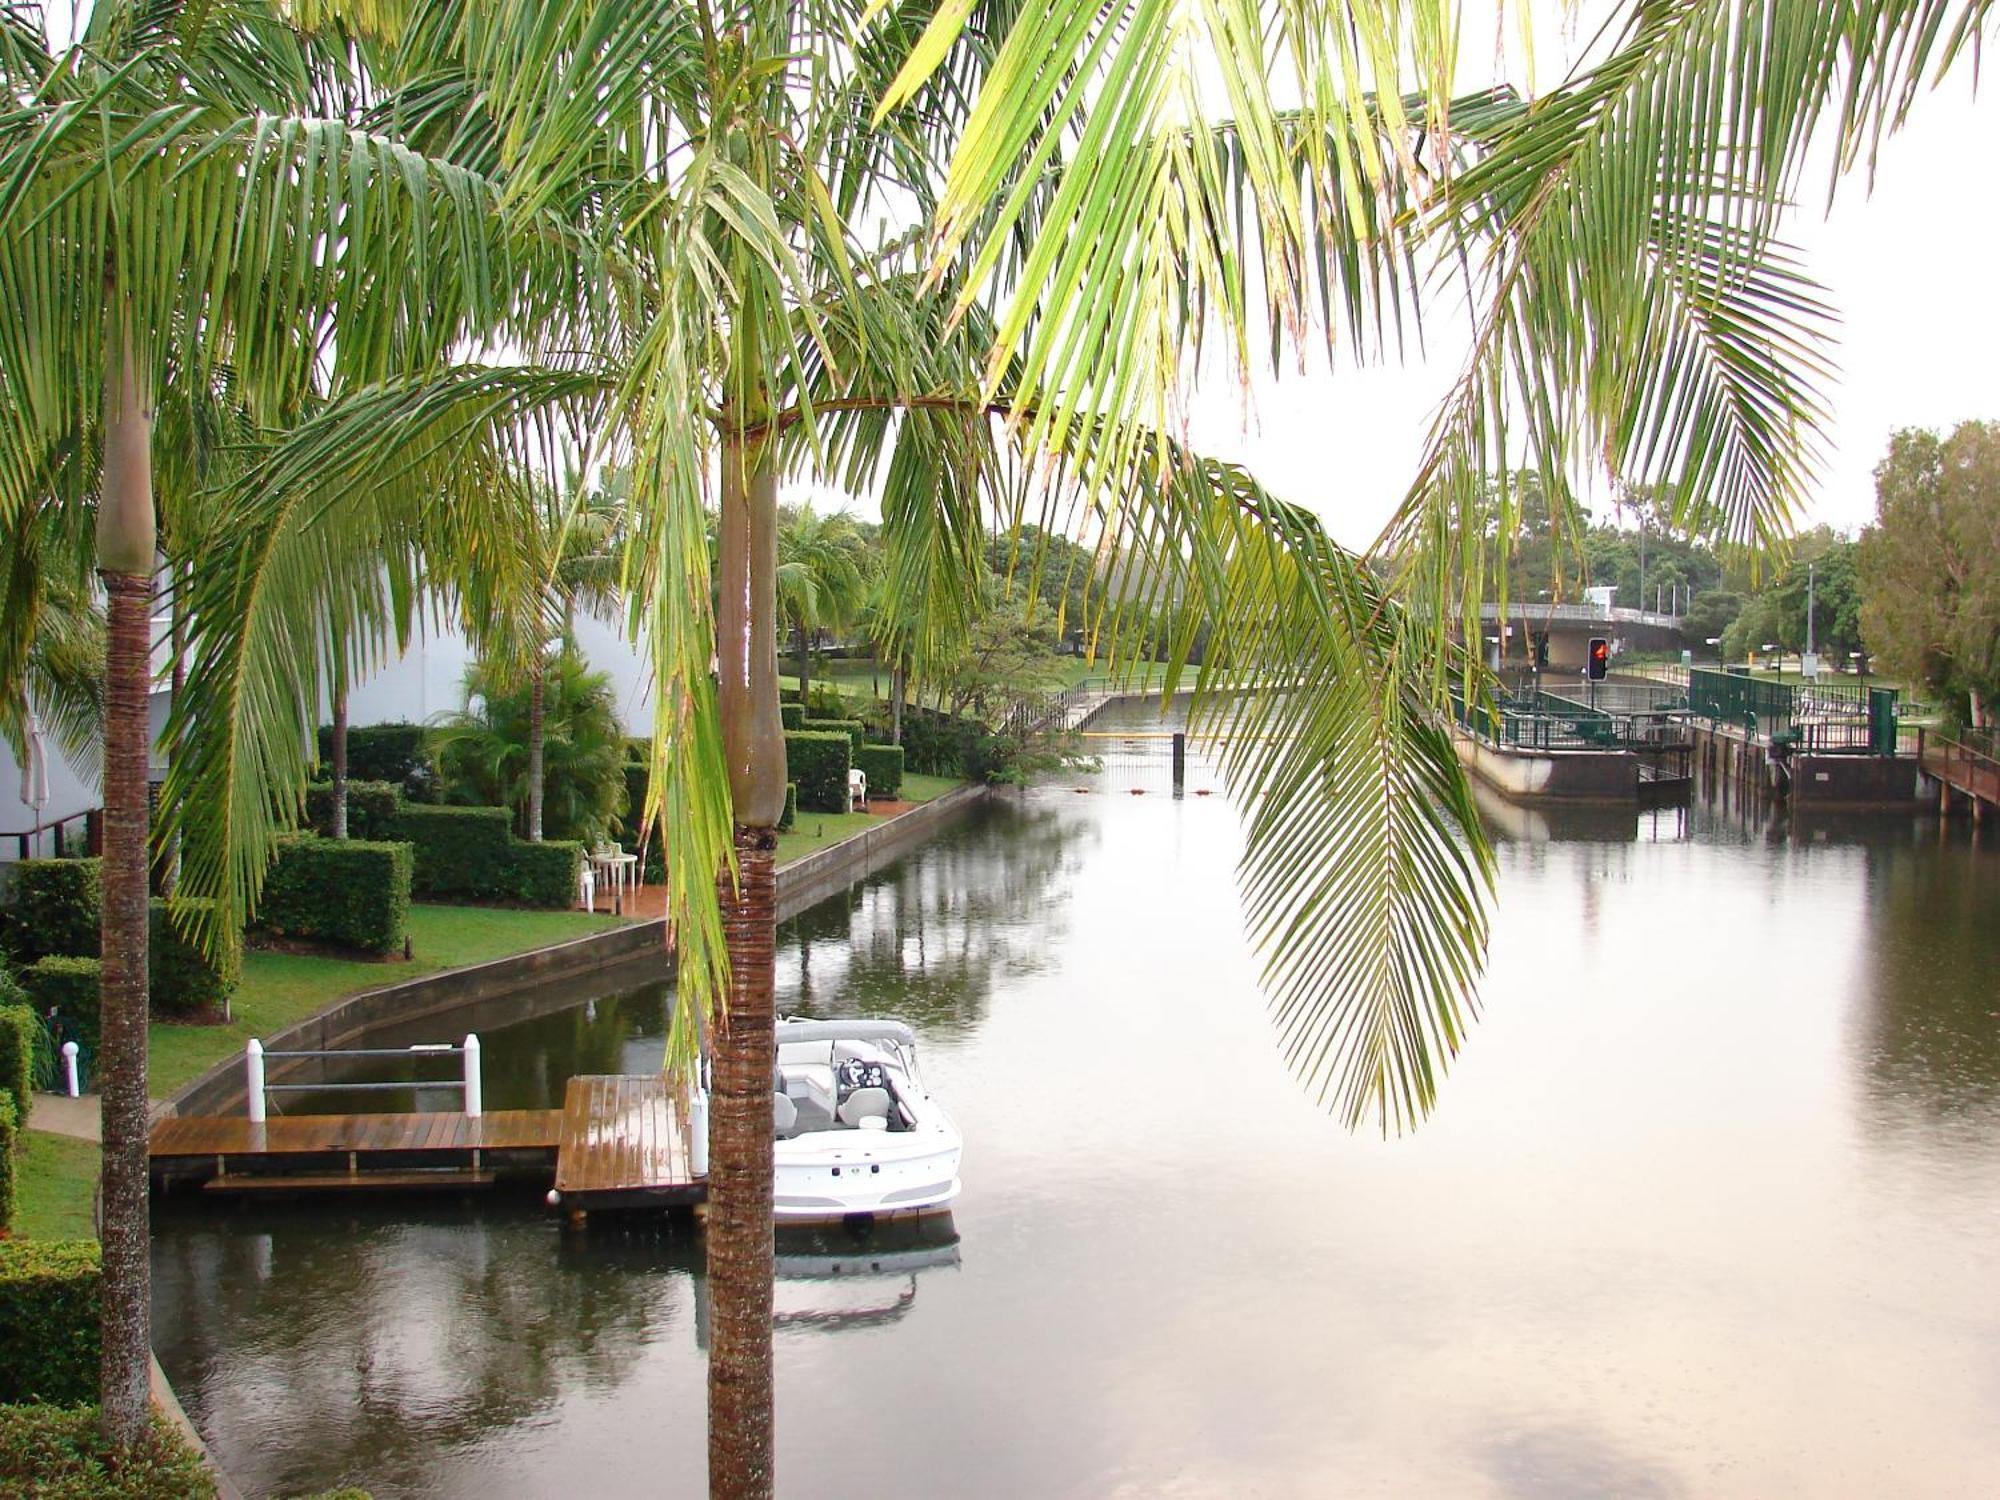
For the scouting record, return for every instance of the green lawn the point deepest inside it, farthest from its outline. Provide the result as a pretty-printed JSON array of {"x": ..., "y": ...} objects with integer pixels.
[
  {"x": 815, "y": 831},
  {"x": 58, "y": 1177},
  {"x": 280, "y": 988}
]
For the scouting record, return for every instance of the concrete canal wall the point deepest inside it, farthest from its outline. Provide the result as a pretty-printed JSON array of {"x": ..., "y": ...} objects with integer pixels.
[{"x": 1551, "y": 775}]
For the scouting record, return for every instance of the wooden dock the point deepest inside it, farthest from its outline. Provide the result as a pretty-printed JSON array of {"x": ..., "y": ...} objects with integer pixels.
[
  {"x": 625, "y": 1143},
  {"x": 617, "y": 1142}
]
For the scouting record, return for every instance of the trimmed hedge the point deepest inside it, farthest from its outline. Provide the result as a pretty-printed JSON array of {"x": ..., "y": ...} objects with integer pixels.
[
  {"x": 819, "y": 764},
  {"x": 18, "y": 1030},
  {"x": 544, "y": 874},
  {"x": 883, "y": 766},
  {"x": 792, "y": 715},
  {"x": 181, "y": 980},
  {"x": 353, "y": 893},
  {"x": 54, "y": 908},
  {"x": 68, "y": 985},
  {"x": 472, "y": 852},
  {"x": 791, "y": 813},
  {"x": 372, "y": 808},
  {"x": 396, "y": 753},
  {"x": 48, "y": 1320},
  {"x": 57, "y": 1453},
  {"x": 9, "y": 1162},
  {"x": 788, "y": 695},
  {"x": 854, "y": 729},
  {"x": 460, "y": 851}
]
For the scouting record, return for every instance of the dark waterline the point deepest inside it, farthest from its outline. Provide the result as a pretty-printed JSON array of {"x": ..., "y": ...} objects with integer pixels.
[{"x": 1711, "y": 1205}]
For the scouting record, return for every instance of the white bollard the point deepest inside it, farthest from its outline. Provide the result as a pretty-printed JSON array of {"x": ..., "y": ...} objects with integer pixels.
[
  {"x": 698, "y": 1132},
  {"x": 253, "y": 1081},
  {"x": 473, "y": 1102},
  {"x": 69, "y": 1070}
]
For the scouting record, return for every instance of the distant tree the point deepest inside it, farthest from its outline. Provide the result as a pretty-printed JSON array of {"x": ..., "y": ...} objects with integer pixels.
[
  {"x": 1829, "y": 581},
  {"x": 1711, "y": 614},
  {"x": 1929, "y": 568},
  {"x": 822, "y": 580},
  {"x": 1760, "y": 623}
]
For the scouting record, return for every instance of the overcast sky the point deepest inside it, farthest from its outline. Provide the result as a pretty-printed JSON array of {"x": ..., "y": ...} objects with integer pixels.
[{"x": 1911, "y": 269}]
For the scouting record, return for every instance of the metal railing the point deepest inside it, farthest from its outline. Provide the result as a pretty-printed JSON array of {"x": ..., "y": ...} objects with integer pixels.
[
  {"x": 1817, "y": 716},
  {"x": 258, "y": 1091},
  {"x": 1969, "y": 763},
  {"x": 1542, "y": 721}
]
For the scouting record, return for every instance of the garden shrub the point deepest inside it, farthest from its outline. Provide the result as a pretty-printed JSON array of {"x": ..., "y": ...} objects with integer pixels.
[
  {"x": 792, "y": 715},
  {"x": 791, "y": 813},
  {"x": 883, "y": 766},
  {"x": 48, "y": 1320},
  {"x": 9, "y": 1161},
  {"x": 819, "y": 764},
  {"x": 544, "y": 874},
  {"x": 396, "y": 753},
  {"x": 459, "y": 851},
  {"x": 57, "y": 1453},
  {"x": 789, "y": 695},
  {"x": 68, "y": 986},
  {"x": 352, "y": 893},
  {"x": 182, "y": 980},
  {"x": 18, "y": 1031},
  {"x": 54, "y": 908},
  {"x": 372, "y": 808},
  {"x": 854, "y": 729}
]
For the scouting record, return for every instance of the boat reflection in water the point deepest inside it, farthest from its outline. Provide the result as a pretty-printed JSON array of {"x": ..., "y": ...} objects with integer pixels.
[{"x": 836, "y": 1278}]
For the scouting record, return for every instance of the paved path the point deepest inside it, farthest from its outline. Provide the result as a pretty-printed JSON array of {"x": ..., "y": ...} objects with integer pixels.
[{"x": 59, "y": 1114}]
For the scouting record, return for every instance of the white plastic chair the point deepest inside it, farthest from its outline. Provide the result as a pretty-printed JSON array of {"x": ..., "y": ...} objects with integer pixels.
[{"x": 857, "y": 790}]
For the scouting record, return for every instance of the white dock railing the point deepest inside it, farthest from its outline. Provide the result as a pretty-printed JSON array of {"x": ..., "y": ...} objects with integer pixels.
[{"x": 258, "y": 1091}]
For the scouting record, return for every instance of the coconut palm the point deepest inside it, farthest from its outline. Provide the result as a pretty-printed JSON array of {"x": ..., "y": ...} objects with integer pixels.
[
  {"x": 186, "y": 189},
  {"x": 821, "y": 579}
]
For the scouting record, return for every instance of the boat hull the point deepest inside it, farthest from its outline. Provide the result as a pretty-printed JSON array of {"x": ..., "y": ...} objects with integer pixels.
[{"x": 839, "y": 1174}]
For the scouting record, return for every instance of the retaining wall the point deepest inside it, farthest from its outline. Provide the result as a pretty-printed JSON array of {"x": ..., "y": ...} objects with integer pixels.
[{"x": 1551, "y": 775}]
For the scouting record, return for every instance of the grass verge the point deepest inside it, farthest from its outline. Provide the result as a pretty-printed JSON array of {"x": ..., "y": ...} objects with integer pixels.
[
  {"x": 58, "y": 1178},
  {"x": 280, "y": 988}
]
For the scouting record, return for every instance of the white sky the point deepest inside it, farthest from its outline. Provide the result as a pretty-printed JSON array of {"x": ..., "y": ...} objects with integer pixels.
[{"x": 1910, "y": 269}]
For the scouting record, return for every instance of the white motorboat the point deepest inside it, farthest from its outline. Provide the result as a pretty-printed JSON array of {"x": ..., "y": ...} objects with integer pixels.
[{"x": 857, "y": 1132}]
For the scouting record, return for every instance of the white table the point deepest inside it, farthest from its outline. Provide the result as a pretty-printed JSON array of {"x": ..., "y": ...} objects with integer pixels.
[{"x": 617, "y": 869}]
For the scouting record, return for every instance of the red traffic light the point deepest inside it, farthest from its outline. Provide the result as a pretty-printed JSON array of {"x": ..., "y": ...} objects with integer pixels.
[{"x": 1598, "y": 661}]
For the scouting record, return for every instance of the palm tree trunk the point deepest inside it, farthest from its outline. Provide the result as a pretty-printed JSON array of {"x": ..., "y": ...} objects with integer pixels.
[
  {"x": 339, "y": 751},
  {"x": 125, "y": 540},
  {"x": 898, "y": 684},
  {"x": 805, "y": 666},
  {"x": 535, "y": 734},
  {"x": 171, "y": 877},
  {"x": 740, "y": 1267}
]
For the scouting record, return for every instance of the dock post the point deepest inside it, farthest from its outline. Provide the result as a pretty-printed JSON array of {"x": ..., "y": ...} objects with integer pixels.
[
  {"x": 253, "y": 1081},
  {"x": 698, "y": 1133},
  {"x": 473, "y": 1101},
  {"x": 69, "y": 1070},
  {"x": 1180, "y": 763}
]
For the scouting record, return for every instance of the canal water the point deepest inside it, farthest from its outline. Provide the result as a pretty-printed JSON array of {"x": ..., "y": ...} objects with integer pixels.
[{"x": 1710, "y": 1205}]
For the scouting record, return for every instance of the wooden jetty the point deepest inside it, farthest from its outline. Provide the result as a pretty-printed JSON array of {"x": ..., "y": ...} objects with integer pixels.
[{"x": 617, "y": 1142}]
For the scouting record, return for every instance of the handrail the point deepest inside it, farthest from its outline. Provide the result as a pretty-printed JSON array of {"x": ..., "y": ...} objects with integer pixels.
[{"x": 257, "y": 1091}]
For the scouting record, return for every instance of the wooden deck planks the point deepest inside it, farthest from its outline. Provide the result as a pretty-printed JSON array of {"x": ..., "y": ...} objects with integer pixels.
[
  {"x": 621, "y": 1135},
  {"x": 313, "y": 1135}
]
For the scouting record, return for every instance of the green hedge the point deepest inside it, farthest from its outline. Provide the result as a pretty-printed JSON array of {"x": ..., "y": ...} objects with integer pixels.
[
  {"x": 819, "y": 763},
  {"x": 53, "y": 908},
  {"x": 789, "y": 695},
  {"x": 791, "y": 813},
  {"x": 460, "y": 851},
  {"x": 372, "y": 808},
  {"x": 854, "y": 729},
  {"x": 18, "y": 1030},
  {"x": 396, "y": 753},
  {"x": 57, "y": 1453},
  {"x": 48, "y": 1320},
  {"x": 472, "y": 852},
  {"x": 883, "y": 766},
  {"x": 181, "y": 980},
  {"x": 544, "y": 874},
  {"x": 68, "y": 985},
  {"x": 793, "y": 715},
  {"x": 9, "y": 1162},
  {"x": 352, "y": 893}
]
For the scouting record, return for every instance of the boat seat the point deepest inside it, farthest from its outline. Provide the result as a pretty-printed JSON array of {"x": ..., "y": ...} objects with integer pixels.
[
  {"x": 784, "y": 1114},
  {"x": 863, "y": 1104}
]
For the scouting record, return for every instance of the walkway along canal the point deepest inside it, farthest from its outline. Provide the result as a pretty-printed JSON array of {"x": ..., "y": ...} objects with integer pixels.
[{"x": 1709, "y": 1206}]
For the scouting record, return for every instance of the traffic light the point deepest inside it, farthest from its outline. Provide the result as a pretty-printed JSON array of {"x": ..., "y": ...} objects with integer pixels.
[{"x": 1598, "y": 662}]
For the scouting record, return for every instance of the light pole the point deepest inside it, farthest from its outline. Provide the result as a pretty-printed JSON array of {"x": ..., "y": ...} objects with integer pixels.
[{"x": 1810, "y": 664}]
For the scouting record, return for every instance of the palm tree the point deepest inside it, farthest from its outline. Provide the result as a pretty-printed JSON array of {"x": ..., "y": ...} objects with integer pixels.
[
  {"x": 821, "y": 583},
  {"x": 186, "y": 190}
]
